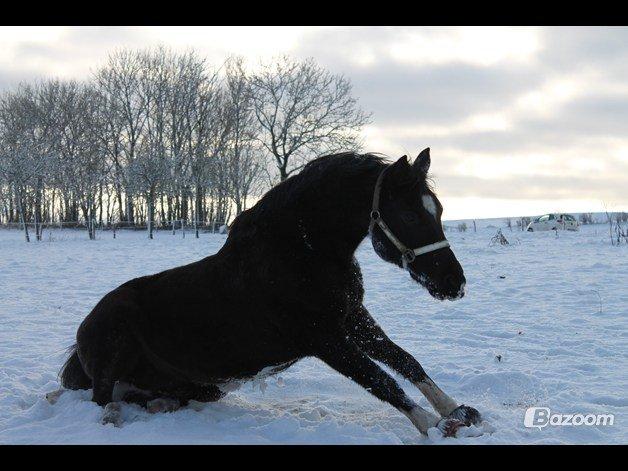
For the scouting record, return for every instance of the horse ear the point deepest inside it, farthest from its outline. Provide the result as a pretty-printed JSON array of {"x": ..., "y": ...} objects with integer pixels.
[
  {"x": 401, "y": 172},
  {"x": 422, "y": 162}
]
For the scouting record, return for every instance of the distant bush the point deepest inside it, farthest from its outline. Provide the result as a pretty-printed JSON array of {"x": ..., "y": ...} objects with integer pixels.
[
  {"x": 586, "y": 218},
  {"x": 523, "y": 222},
  {"x": 621, "y": 234},
  {"x": 616, "y": 227},
  {"x": 462, "y": 227},
  {"x": 499, "y": 238}
]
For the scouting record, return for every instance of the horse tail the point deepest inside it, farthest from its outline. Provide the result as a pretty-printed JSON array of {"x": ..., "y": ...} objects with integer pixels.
[{"x": 72, "y": 374}]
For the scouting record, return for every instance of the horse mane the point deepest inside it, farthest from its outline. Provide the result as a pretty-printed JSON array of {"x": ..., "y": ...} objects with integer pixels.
[
  {"x": 330, "y": 176},
  {"x": 346, "y": 163}
]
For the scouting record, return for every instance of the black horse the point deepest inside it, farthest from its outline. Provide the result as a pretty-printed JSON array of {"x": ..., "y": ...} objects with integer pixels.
[{"x": 284, "y": 286}]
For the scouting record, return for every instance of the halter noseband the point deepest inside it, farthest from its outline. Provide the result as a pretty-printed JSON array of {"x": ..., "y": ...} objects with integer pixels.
[{"x": 407, "y": 255}]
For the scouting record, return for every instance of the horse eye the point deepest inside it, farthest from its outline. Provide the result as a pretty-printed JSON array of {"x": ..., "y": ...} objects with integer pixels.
[{"x": 409, "y": 217}]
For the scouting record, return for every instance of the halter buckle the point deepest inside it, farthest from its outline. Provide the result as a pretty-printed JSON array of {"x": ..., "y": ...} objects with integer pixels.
[
  {"x": 409, "y": 256},
  {"x": 375, "y": 215}
]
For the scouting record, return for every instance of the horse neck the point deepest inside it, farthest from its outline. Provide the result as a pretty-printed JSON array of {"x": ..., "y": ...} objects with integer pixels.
[{"x": 340, "y": 218}]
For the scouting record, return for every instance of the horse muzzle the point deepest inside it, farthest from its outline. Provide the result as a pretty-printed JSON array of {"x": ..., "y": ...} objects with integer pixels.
[{"x": 450, "y": 287}]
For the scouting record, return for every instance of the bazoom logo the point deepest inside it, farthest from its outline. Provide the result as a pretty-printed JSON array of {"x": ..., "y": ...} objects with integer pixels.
[{"x": 539, "y": 417}]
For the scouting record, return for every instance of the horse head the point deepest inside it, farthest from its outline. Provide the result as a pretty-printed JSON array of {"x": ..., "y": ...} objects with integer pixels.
[{"x": 406, "y": 228}]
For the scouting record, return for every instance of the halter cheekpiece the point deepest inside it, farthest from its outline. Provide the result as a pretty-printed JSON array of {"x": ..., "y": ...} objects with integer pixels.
[{"x": 407, "y": 255}]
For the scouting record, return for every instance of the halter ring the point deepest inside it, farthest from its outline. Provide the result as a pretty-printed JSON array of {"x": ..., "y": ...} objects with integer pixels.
[{"x": 409, "y": 256}]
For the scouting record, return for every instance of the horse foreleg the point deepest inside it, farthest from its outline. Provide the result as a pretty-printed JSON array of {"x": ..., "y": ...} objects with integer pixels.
[
  {"x": 344, "y": 356},
  {"x": 370, "y": 337}
]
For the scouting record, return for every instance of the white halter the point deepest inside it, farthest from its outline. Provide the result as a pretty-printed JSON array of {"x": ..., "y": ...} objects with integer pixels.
[{"x": 407, "y": 255}]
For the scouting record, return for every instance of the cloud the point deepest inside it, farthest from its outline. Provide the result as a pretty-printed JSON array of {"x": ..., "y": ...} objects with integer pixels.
[
  {"x": 436, "y": 94},
  {"x": 362, "y": 46},
  {"x": 554, "y": 187},
  {"x": 571, "y": 48}
]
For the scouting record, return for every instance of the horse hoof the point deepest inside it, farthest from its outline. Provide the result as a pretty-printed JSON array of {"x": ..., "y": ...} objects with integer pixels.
[
  {"x": 53, "y": 396},
  {"x": 162, "y": 405},
  {"x": 112, "y": 414},
  {"x": 467, "y": 415},
  {"x": 449, "y": 427}
]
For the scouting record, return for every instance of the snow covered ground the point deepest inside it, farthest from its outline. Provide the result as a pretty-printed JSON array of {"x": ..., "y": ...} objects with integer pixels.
[{"x": 555, "y": 310}]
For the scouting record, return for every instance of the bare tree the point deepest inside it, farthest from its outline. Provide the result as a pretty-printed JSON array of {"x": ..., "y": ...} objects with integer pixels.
[
  {"x": 244, "y": 157},
  {"x": 110, "y": 134},
  {"x": 148, "y": 171},
  {"x": 24, "y": 146},
  {"x": 119, "y": 82},
  {"x": 304, "y": 111},
  {"x": 206, "y": 126},
  {"x": 181, "y": 100},
  {"x": 150, "y": 168},
  {"x": 81, "y": 163}
]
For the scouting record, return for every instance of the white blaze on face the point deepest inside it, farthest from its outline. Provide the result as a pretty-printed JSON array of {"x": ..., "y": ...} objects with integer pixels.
[{"x": 429, "y": 204}]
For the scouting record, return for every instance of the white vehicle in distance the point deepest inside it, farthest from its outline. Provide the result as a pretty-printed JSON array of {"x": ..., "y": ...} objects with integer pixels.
[{"x": 554, "y": 221}]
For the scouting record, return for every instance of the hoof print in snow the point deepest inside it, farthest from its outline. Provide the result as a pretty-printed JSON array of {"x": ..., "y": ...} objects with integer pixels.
[
  {"x": 112, "y": 414},
  {"x": 53, "y": 396},
  {"x": 467, "y": 415},
  {"x": 162, "y": 405}
]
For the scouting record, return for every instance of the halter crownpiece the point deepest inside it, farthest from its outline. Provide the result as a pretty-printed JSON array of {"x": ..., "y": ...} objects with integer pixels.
[{"x": 407, "y": 255}]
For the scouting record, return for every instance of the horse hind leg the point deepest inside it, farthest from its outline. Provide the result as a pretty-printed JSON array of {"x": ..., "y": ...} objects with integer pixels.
[
  {"x": 172, "y": 400},
  {"x": 112, "y": 413},
  {"x": 152, "y": 402},
  {"x": 163, "y": 404},
  {"x": 182, "y": 394},
  {"x": 129, "y": 393},
  {"x": 156, "y": 403},
  {"x": 148, "y": 386},
  {"x": 107, "y": 348}
]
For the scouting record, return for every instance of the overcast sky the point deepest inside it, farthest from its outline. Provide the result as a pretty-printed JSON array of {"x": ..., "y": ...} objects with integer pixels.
[{"x": 519, "y": 120}]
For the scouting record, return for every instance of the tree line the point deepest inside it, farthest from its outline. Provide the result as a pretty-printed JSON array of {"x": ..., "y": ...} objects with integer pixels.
[{"x": 157, "y": 136}]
